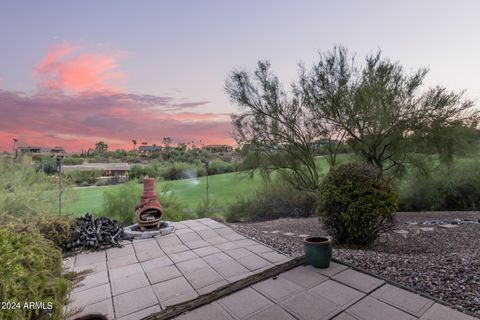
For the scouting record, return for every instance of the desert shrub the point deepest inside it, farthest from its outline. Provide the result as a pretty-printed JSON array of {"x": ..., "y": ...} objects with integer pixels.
[
  {"x": 119, "y": 202},
  {"x": 273, "y": 200},
  {"x": 442, "y": 187},
  {"x": 356, "y": 203},
  {"x": 72, "y": 160},
  {"x": 240, "y": 210},
  {"x": 219, "y": 166},
  {"x": 205, "y": 207},
  {"x": 52, "y": 227},
  {"x": 84, "y": 177},
  {"x": 25, "y": 191},
  {"x": 31, "y": 270},
  {"x": 173, "y": 209}
]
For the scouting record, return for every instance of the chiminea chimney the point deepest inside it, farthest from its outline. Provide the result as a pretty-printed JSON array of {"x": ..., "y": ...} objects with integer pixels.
[{"x": 148, "y": 211}]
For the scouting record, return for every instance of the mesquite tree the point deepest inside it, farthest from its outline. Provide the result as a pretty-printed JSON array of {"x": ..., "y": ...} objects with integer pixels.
[
  {"x": 276, "y": 125},
  {"x": 384, "y": 113}
]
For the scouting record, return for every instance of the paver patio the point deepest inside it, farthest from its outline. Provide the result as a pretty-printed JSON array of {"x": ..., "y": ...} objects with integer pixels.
[
  {"x": 140, "y": 279},
  {"x": 147, "y": 275}
]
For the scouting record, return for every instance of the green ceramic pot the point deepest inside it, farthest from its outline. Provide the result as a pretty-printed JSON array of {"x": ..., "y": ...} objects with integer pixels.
[{"x": 318, "y": 251}]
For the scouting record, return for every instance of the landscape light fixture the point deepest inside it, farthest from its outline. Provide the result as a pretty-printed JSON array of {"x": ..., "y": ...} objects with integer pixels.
[
  {"x": 59, "y": 161},
  {"x": 207, "y": 163}
]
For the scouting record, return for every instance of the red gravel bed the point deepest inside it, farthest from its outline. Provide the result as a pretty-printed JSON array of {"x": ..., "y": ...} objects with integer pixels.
[{"x": 443, "y": 263}]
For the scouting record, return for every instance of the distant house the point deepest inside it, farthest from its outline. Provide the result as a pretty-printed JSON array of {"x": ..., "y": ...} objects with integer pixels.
[
  {"x": 218, "y": 148},
  {"x": 149, "y": 150},
  {"x": 39, "y": 151},
  {"x": 108, "y": 169}
]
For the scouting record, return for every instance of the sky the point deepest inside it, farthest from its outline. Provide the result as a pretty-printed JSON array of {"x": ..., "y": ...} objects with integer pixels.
[{"x": 76, "y": 72}]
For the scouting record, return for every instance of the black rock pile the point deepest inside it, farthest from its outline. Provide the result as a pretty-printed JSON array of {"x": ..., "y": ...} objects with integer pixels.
[{"x": 95, "y": 234}]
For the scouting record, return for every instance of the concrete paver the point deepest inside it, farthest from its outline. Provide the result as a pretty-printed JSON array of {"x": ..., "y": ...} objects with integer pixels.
[
  {"x": 439, "y": 312},
  {"x": 259, "y": 248},
  {"x": 358, "y": 280},
  {"x": 332, "y": 270},
  {"x": 344, "y": 316},
  {"x": 276, "y": 288},
  {"x": 403, "y": 299},
  {"x": 272, "y": 313},
  {"x": 122, "y": 261},
  {"x": 254, "y": 262},
  {"x": 104, "y": 307},
  {"x": 209, "y": 312},
  {"x": 304, "y": 276},
  {"x": 182, "y": 256},
  {"x": 211, "y": 287},
  {"x": 92, "y": 258},
  {"x": 90, "y": 296},
  {"x": 274, "y": 257},
  {"x": 230, "y": 268},
  {"x": 338, "y": 293},
  {"x": 197, "y": 244},
  {"x": 147, "y": 250},
  {"x": 142, "y": 313},
  {"x": 372, "y": 309},
  {"x": 126, "y": 250},
  {"x": 244, "y": 303},
  {"x": 93, "y": 268},
  {"x": 203, "y": 277},
  {"x": 177, "y": 289},
  {"x": 134, "y": 301},
  {"x": 92, "y": 280},
  {"x": 307, "y": 306},
  {"x": 156, "y": 263},
  {"x": 129, "y": 282},
  {"x": 217, "y": 258},
  {"x": 161, "y": 274},
  {"x": 206, "y": 251}
]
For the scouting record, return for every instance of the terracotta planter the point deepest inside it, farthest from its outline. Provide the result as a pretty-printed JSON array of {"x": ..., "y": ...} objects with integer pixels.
[{"x": 318, "y": 251}]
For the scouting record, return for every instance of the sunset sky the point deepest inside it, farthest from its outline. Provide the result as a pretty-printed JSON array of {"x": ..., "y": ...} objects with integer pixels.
[{"x": 76, "y": 72}]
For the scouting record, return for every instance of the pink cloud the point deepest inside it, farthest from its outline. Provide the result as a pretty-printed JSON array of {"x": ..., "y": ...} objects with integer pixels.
[
  {"x": 68, "y": 68},
  {"x": 81, "y": 101},
  {"x": 77, "y": 122}
]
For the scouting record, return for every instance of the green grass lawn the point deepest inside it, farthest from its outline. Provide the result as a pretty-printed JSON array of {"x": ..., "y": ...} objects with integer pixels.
[{"x": 223, "y": 188}]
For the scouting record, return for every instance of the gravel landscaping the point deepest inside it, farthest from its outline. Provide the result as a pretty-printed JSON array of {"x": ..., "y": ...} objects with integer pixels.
[{"x": 437, "y": 253}]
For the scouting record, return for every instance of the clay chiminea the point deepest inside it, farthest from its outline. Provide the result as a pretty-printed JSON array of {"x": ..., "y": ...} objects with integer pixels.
[{"x": 148, "y": 211}]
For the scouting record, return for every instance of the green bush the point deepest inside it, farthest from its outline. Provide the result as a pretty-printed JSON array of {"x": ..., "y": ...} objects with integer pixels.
[
  {"x": 173, "y": 209},
  {"x": 119, "y": 203},
  {"x": 205, "y": 207},
  {"x": 442, "y": 187},
  {"x": 84, "y": 177},
  {"x": 53, "y": 227},
  {"x": 24, "y": 191},
  {"x": 31, "y": 270},
  {"x": 219, "y": 166},
  {"x": 273, "y": 200},
  {"x": 356, "y": 203},
  {"x": 72, "y": 160}
]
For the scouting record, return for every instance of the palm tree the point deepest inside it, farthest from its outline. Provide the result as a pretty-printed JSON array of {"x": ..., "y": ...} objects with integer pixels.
[{"x": 134, "y": 144}]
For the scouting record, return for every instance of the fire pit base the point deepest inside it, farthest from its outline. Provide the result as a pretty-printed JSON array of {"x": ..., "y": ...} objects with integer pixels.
[{"x": 135, "y": 231}]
